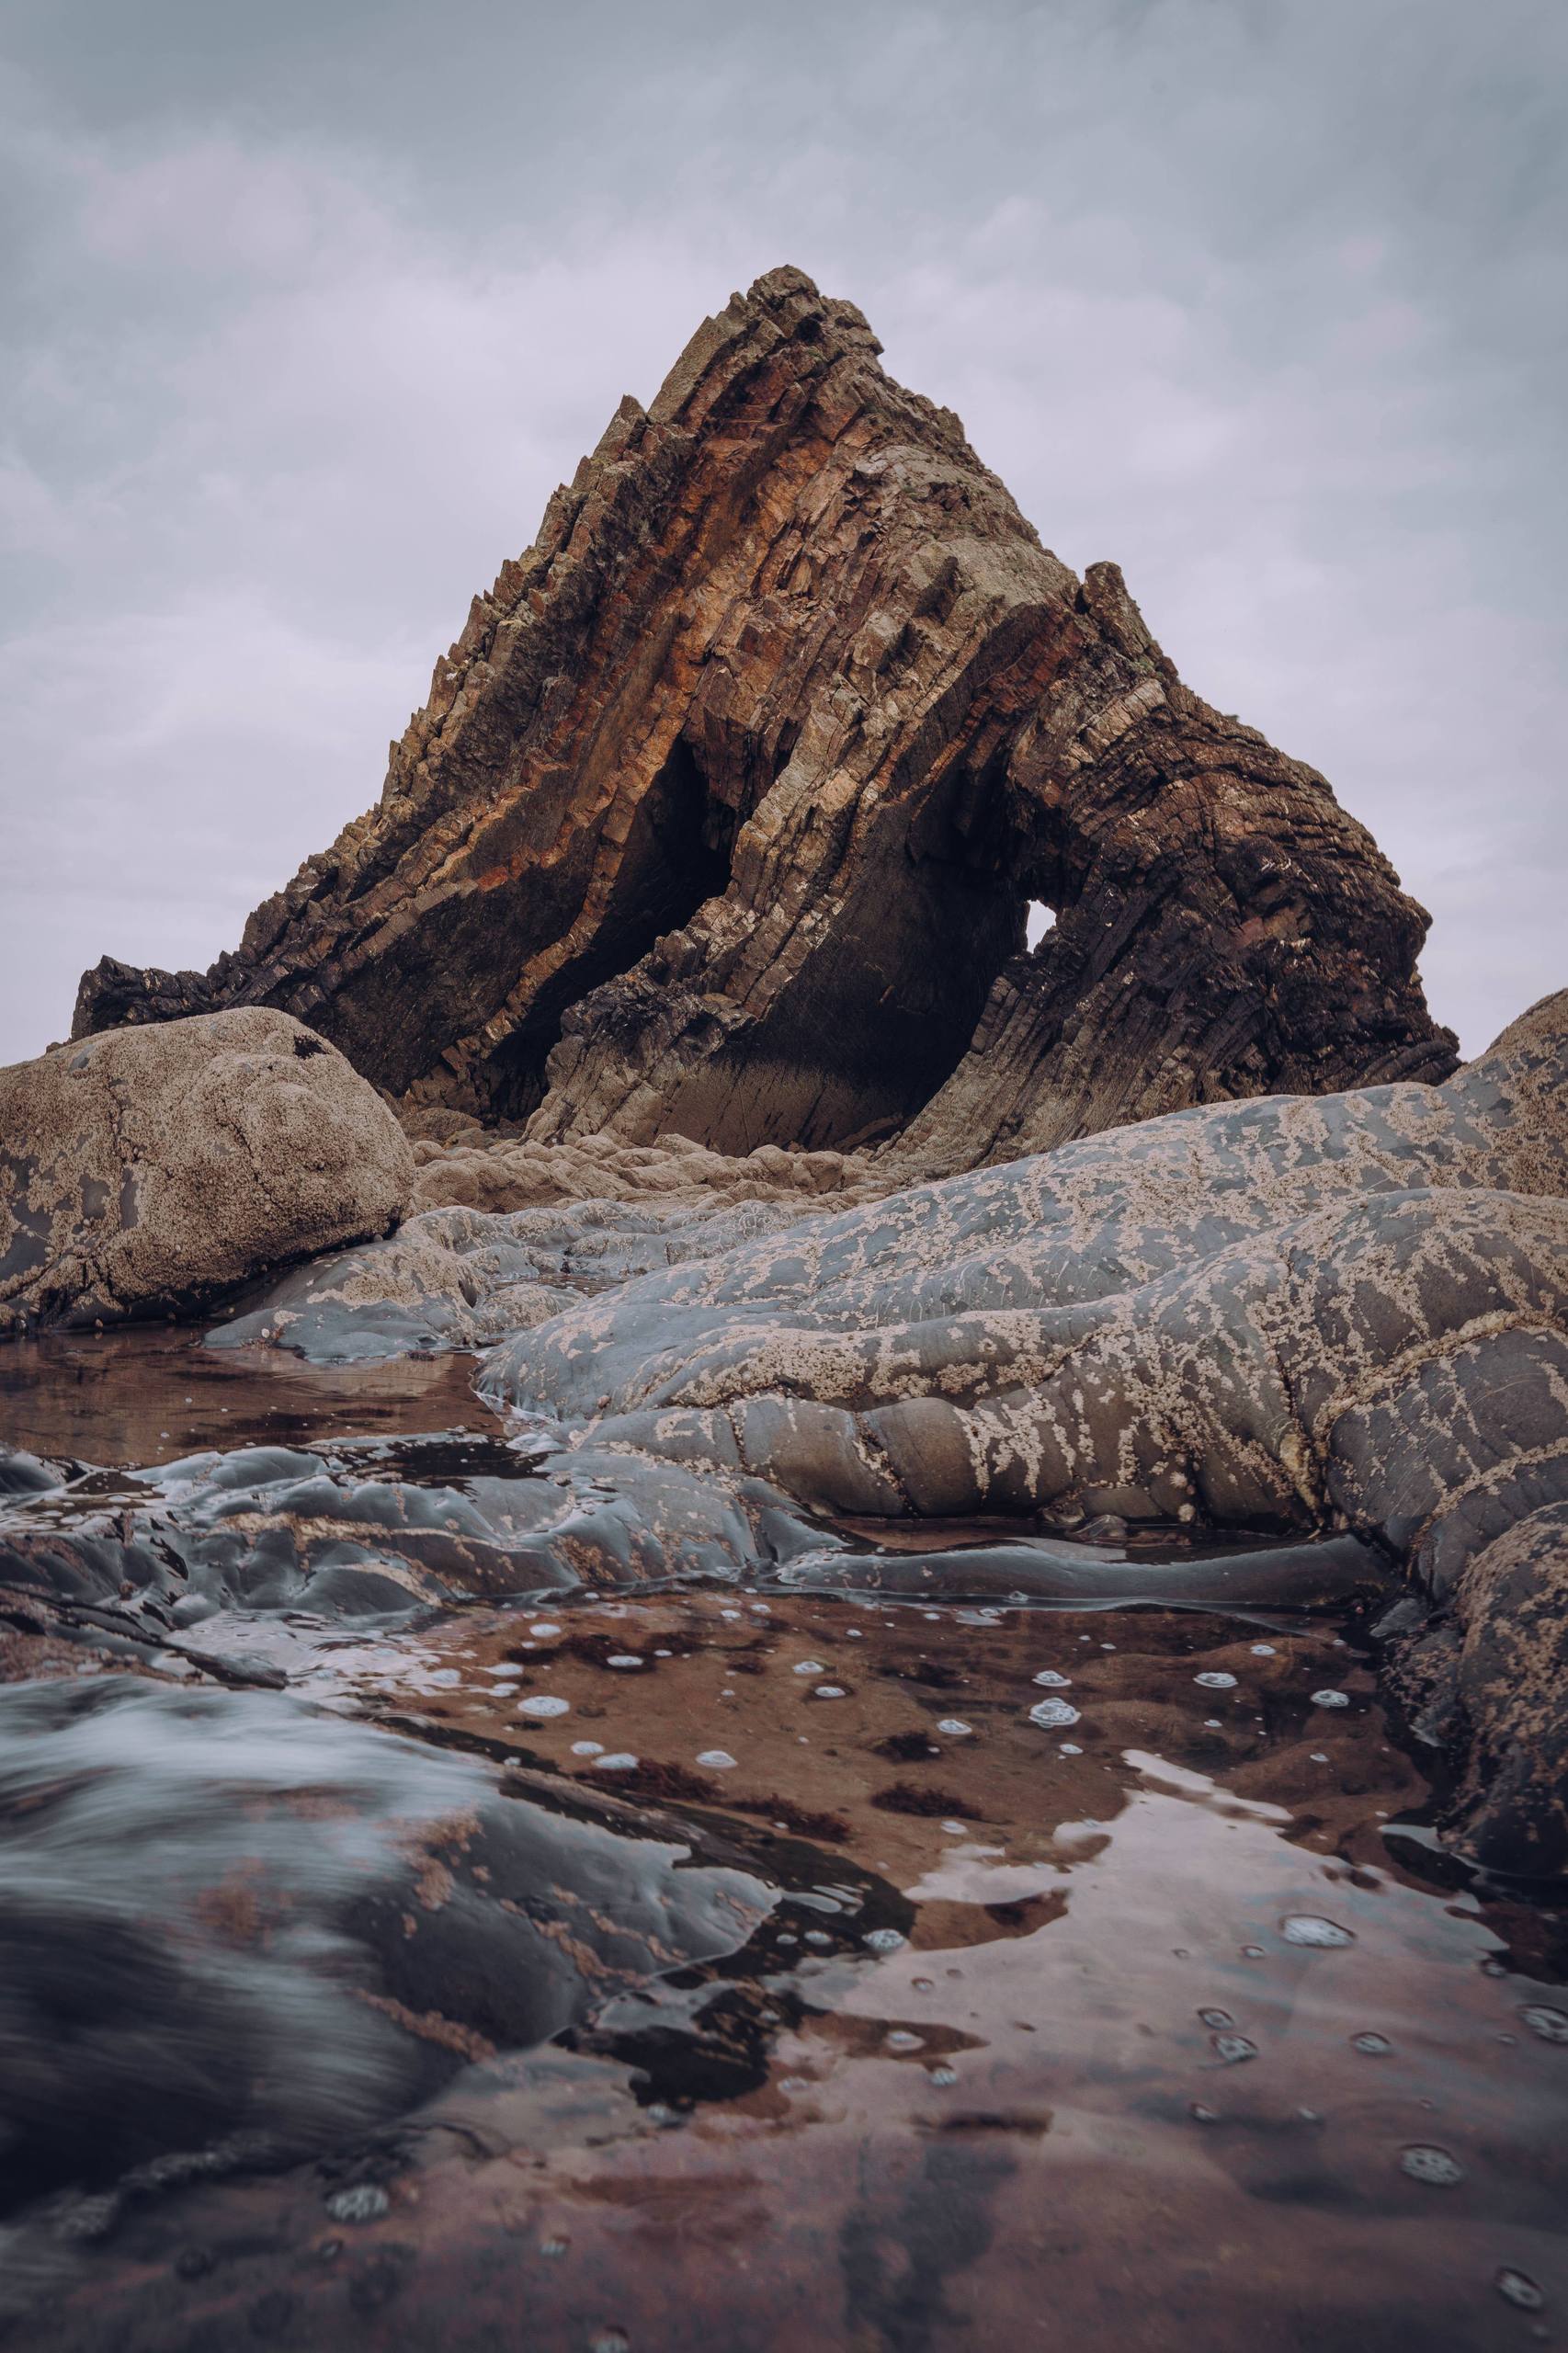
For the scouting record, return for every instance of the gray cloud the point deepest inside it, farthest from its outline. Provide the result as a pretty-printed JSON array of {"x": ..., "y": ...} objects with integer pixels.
[{"x": 310, "y": 308}]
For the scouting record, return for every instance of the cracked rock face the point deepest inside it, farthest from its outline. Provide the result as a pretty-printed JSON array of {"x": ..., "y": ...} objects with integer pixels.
[
  {"x": 151, "y": 1168},
  {"x": 728, "y": 805}
]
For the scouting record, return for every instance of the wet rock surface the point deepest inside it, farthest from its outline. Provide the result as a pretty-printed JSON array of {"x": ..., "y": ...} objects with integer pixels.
[
  {"x": 155, "y": 1167},
  {"x": 1170, "y": 2021},
  {"x": 1488, "y": 1679},
  {"x": 728, "y": 806},
  {"x": 1288, "y": 1350},
  {"x": 381, "y": 1530},
  {"x": 234, "y": 1929}
]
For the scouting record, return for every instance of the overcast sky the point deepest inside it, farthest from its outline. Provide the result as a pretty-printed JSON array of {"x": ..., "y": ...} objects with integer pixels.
[{"x": 311, "y": 306}]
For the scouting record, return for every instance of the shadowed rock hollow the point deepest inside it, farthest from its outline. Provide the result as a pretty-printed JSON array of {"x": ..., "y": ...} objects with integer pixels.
[{"x": 729, "y": 804}]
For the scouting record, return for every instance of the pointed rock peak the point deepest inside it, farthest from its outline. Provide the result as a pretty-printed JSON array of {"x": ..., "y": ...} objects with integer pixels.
[{"x": 730, "y": 804}]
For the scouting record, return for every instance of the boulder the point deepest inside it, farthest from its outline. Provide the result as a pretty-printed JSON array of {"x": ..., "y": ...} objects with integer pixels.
[{"x": 150, "y": 1168}]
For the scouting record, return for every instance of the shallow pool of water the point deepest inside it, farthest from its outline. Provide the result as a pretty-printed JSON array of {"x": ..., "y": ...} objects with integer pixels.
[{"x": 1113, "y": 1993}]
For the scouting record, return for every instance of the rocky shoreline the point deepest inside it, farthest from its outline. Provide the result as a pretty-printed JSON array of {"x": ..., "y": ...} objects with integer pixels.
[{"x": 665, "y": 1051}]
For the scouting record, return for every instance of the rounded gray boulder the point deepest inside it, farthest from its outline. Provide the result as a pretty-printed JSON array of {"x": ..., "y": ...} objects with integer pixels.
[{"x": 153, "y": 1167}]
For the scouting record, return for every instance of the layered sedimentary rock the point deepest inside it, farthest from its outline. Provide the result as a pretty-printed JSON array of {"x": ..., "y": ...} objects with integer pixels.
[
  {"x": 728, "y": 803},
  {"x": 1348, "y": 1311},
  {"x": 151, "y": 1168}
]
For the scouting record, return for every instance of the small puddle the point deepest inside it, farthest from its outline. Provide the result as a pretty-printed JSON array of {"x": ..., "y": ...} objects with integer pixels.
[{"x": 150, "y": 1396}]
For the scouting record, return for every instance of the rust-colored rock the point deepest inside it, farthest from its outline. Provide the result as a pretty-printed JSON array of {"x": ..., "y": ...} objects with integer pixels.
[{"x": 728, "y": 805}]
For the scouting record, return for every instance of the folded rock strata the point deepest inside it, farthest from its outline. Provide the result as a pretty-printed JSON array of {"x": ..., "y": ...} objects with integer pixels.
[
  {"x": 150, "y": 1169},
  {"x": 1211, "y": 1318},
  {"x": 728, "y": 805}
]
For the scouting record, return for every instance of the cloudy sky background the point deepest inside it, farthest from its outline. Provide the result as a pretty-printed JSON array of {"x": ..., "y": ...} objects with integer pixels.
[{"x": 308, "y": 309}]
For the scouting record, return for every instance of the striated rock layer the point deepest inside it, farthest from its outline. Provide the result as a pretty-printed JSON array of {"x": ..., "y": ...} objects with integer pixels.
[{"x": 728, "y": 803}]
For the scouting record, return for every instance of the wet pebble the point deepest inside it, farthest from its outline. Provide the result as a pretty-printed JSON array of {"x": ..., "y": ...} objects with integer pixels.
[
  {"x": 954, "y": 1726},
  {"x": 1307, "y": 1928},
  {"x": 1423, "y": 2162},
  {"x": 1050, "y": 1681},
  {"x": 1331, "y": 1699},
  {"x": 1214, "y": 1678},
  {"x": 1231, "y": 2049},
  {"x": 587, "y": 1748},
  {"x": 1371, "y": 2046},
  {"x": 624, "y": 1658},
  {"x": 366, "y": 2202},
  {"x": 1516, "y": 2288},
  {"x": 809, "y": 1666},
  {"x": 622, "y": 1761},
  {"x": 1551, "y": 2026},
  {"x": 883, "y": 1939},
  {"x": 944, "y": 2078},
  {"x": 1052, "y": 1713},
  {"x": 541, "y": 1705},
  {"x": 717, "y": 1760}
]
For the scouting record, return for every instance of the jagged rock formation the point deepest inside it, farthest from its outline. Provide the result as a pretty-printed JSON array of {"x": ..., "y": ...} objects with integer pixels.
[
  {"x": 153, "y": 1169},
  {"x": 728, "y": 805}
]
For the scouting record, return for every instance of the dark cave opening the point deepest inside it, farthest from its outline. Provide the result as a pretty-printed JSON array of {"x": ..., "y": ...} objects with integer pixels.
[
  {"x": 676, "y": 857},
  {"x": 874, "y": 1024}
]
